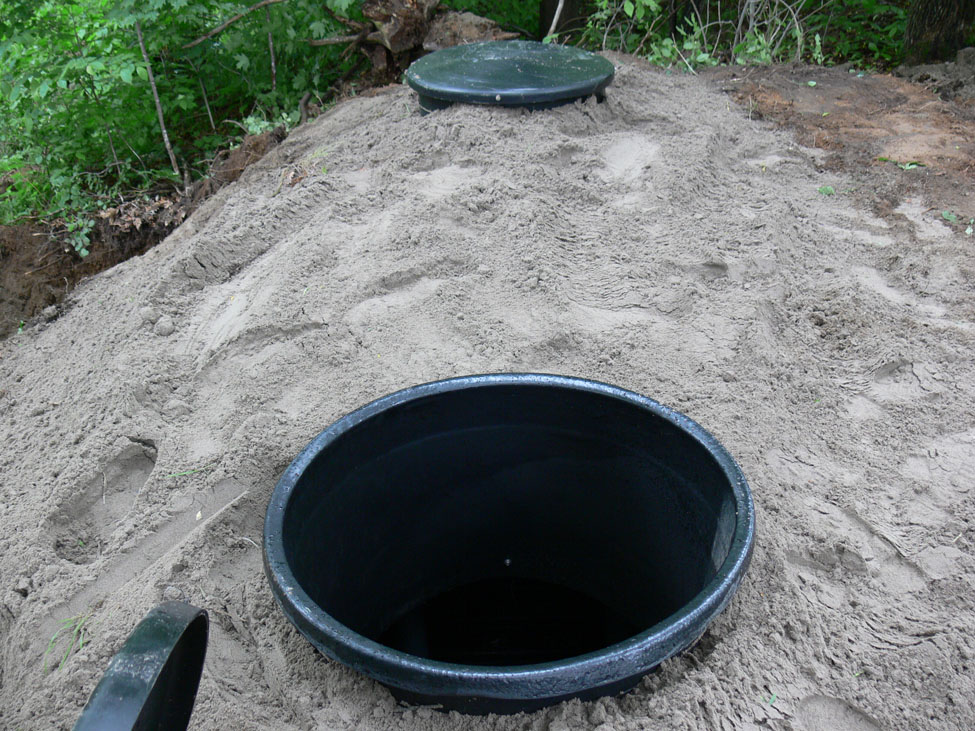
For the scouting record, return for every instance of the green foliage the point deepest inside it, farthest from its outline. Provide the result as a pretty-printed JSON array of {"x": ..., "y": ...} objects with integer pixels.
[
  {"x": 868, "y": 33},
  {"x": 754, "y": 49},
  {"x": 626, "y": 25},
  {"x": 77, "y": 631},
  {"x": 79, "y": 125},
  {"x": 78, "y": 230},
  {"x": 644, "y": 27},
  {"x": 908, "y": 165},
  {"x": 690, "y": 49},
  {"x": 79, "y": 130}
]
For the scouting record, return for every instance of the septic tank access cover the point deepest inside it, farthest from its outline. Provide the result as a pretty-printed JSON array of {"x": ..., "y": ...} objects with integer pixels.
[{"x": 508, "y": 73}]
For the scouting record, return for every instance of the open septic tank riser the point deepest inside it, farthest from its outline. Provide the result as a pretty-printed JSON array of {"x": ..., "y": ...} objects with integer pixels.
[{"x": 500, "y": 543}]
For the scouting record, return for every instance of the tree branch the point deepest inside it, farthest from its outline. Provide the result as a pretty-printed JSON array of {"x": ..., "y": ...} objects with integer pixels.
[
  {"x": 155, "y": 96},
  {"x": 206, "y": 102},
  {"x": 354, "y": 25},
  {"x": 223, "y": 26},
  {"x": 555, "y": 18},
  {"x": 270, "y": 45},
  {"x": 337, "y": 40}
]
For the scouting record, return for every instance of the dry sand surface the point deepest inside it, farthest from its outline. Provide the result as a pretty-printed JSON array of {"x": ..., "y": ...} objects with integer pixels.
[{"x": 661, "y": 241}]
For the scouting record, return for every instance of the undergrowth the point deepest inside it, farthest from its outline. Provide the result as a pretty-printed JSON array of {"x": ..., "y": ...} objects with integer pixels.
[
  {"x": 866, "y": 33},
  {"x": 79, "y": 128}
]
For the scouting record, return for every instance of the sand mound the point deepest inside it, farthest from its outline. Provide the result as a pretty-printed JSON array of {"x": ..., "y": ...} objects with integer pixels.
[{"x": 660, "y": 241}]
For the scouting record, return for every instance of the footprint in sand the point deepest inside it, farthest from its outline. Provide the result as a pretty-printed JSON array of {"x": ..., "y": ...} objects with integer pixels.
[
  {"x": 83, "y": 524},
  {"x": 849, "y": 547},
  {"x": 626, "y": 161},
  {"x": 903, "y": 380},
  {"x": 943, "y": 473},
  {"x": 444, "y": 181}
]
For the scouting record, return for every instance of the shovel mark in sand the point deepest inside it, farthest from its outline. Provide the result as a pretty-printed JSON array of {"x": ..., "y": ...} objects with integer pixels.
[
  {"x": 942, "y": 474},
  {"x": 251, "y": 348},
  {"x": 861, "y": 408},
  {"x": 397, "y": 290},
  {"x": 951, "y": 457},
  {"x": 874, "y": 281}
]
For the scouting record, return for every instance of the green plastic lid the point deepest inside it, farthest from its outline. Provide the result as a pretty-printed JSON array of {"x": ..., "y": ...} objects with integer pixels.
[
  {"x": 508, "y": 73},
  {"x": 152, "y": 682}
]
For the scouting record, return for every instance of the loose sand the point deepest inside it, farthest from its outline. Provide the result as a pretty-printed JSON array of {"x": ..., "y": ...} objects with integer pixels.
[{"x": 660, "y": 241}]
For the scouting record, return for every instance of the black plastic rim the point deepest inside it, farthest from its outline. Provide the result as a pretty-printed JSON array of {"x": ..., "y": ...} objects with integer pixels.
[
  {"x": 151, "y": 682},
  {"x": 508, "y": 73},
  {"x": 477, "y": 688}
]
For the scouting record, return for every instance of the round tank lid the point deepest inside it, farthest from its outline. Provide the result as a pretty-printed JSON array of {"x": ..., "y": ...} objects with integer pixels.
[{"x": 508, "y": 73}]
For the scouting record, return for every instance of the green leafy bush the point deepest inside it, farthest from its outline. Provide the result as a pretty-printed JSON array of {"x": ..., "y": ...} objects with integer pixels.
[
  {"x": 79, "y": 126},
  {"x": 866, "y": 32}
]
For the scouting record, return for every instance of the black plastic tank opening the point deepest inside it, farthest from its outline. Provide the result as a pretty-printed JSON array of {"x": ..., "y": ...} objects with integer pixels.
[{"x": 508, "y": 525}]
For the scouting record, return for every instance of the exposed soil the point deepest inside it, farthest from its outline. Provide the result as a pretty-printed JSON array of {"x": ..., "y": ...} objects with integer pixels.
[
  {"x": 951, "y": 80},
  {"x": 897, "y": 138},
  {"x": 38, "y": 268},
  {"x": 669, "y": 241}
]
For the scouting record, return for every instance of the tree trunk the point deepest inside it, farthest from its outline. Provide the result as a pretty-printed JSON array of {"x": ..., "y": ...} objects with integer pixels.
[{"x": 936, "y": 29}]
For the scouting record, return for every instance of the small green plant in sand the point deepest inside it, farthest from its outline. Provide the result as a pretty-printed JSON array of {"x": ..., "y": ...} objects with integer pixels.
[
  {"x": 953, "y": 218},
  {"x": 190, "y": 472},
  {"x": 77, "y": 630},
  {"x": 827, "y": 190},
  {"x": 909, "y": 165}
]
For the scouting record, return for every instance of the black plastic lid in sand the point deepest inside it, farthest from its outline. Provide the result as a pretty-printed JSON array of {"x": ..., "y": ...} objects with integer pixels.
[
  {"x": 508, "y": 73},
  {"x": 152, "y": 682}
]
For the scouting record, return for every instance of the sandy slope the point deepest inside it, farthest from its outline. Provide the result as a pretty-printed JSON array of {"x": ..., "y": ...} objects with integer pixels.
[{"x": 660, "y": 241}]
